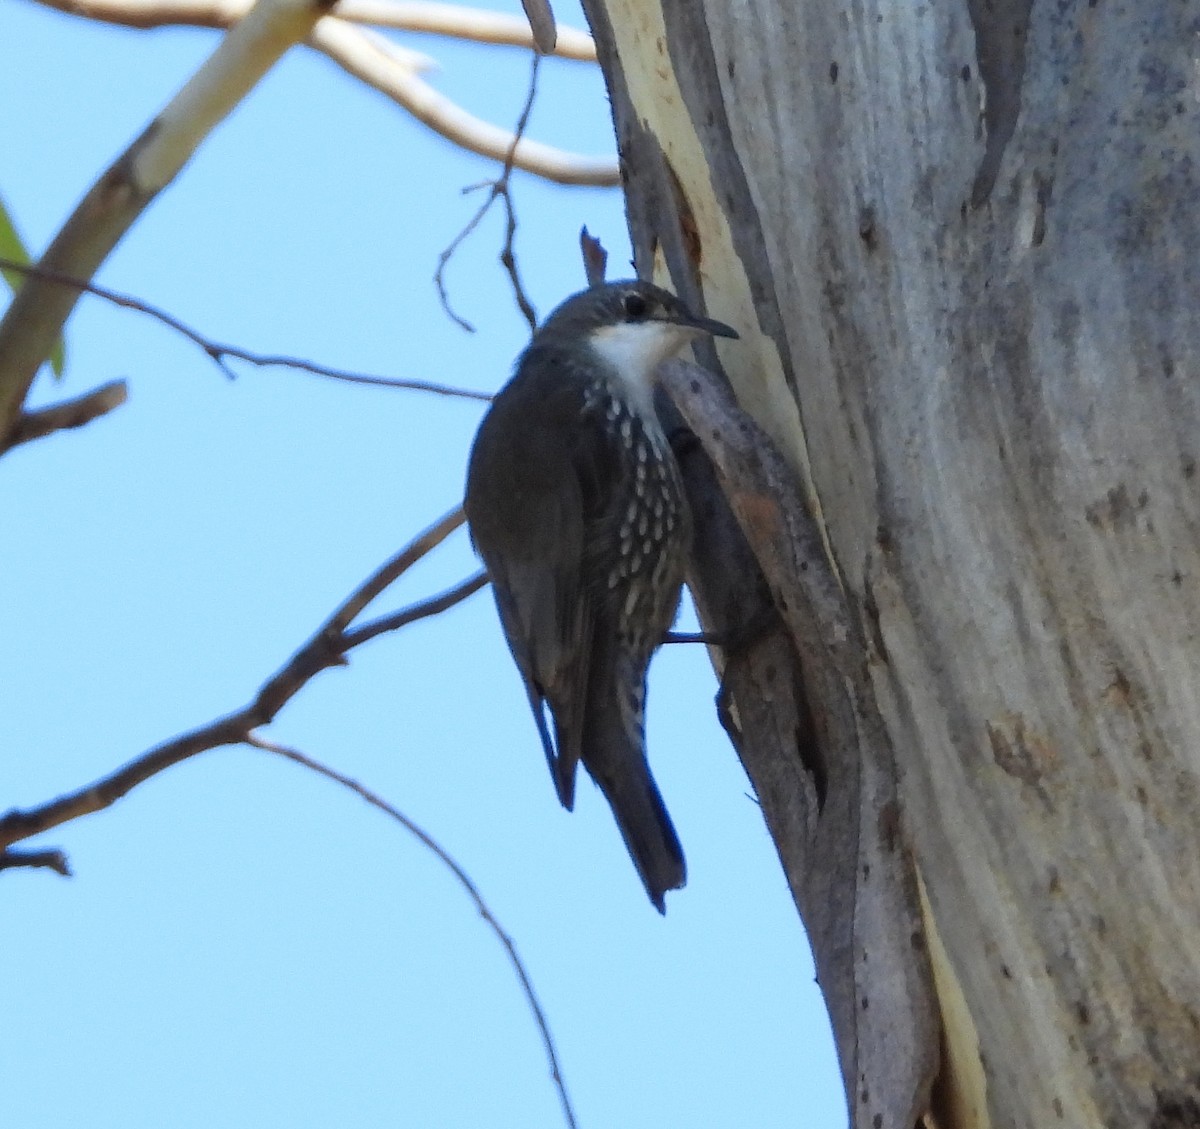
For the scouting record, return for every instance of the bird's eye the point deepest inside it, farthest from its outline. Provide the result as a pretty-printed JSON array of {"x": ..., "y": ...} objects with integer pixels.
[{"x": 636, "y": 306}]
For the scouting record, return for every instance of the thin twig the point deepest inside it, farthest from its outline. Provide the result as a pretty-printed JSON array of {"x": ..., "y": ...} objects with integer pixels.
[
  {"x": 500, "y": 187},
  {"x": 439, "y": 275},
  {"x": 464, "y": 880},
  {"x": 435, "y": 605},
  {"x": 508, "y": 255},
  {"x": 219, "y": 353},
  {"x": 326, "y": 648}
]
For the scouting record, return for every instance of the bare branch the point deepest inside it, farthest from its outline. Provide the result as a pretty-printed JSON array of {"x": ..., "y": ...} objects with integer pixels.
[
  {"x": 326, "y": 648},
  {"x": 451, "y": 20},
  {"x": 443, "y": 115},
  {"x": 389, "y": 573},
  {"x": 461, "y": 22},
  {"x": 17, "y": 825},
  {"x": 219, "y": 353},
  {"x": 393, "y": 70},
  {"x": 34, "y": 319},
  {"x": 49, "y": 860},
  {"x": 464, "y": 880},
  {"x": 496, "y": 189},
  {"x": 69, "y": 413},
  {"x": 341, "y": 42}
]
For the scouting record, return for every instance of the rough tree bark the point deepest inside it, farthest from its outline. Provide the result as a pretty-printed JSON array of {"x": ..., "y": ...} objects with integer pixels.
[{"x": 960, "y": 241}]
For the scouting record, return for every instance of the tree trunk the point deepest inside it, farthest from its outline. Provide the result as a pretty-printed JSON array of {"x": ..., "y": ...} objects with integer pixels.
[{"x": 962, "y": 244}]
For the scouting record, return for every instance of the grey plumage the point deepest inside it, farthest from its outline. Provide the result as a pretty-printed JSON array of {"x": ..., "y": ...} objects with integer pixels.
[{"x": 576, "y": 506}]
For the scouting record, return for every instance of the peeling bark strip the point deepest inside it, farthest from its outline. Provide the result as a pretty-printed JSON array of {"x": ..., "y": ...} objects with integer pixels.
[
  {"x": 799, "y": 708},
  {"x": 1001, "y": 29},
  {"x": 998, "y": 409}
]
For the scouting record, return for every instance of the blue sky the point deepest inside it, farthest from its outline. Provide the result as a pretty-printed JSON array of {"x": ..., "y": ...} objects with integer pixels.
[{"x": 243, "y": 943}]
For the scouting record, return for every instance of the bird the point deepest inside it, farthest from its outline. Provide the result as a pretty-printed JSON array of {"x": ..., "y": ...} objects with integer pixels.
[{"x": 576, "y": 507}]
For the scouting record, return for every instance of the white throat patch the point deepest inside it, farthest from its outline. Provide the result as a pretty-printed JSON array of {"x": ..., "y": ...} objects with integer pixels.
[{"x": 636, "y": 349}]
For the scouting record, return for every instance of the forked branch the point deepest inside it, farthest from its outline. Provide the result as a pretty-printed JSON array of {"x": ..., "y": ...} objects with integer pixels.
[{"x": 327, "y": 647}]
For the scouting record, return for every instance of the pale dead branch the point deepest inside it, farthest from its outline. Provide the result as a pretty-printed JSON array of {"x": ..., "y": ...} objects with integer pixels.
[
  {"x": 394, "y": 70},
  {"x": 454, "y": 21},
  {"x": 448, "y": 118}
]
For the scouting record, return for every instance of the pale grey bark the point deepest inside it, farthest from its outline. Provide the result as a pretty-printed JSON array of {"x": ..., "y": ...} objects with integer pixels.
[{"x": 960, "y": 240}]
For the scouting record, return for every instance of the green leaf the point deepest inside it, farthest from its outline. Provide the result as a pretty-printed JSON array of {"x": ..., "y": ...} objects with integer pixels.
[
  {"x": 12, "y": 248},
  {"x": 58, "y": 358}
]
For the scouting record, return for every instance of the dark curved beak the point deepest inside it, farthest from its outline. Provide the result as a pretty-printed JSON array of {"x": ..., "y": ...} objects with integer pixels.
[{"x": 705, "y": 325}]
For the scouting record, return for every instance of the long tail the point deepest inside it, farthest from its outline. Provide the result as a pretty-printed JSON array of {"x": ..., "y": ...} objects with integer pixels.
[{"x": 615, "y": 757}]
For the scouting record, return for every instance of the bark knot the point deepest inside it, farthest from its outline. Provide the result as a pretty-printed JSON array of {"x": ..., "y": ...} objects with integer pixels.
[{"x": 1019, "y": 751}]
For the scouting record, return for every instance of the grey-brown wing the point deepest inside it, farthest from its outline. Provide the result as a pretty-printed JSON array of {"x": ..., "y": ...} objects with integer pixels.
[
  {"x": 528, "y": 502},
  {"x": 548, "y": 627}
]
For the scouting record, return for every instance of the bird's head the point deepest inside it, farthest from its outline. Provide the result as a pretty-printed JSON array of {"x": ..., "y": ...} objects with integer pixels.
[{"x": 632, "y": 325}]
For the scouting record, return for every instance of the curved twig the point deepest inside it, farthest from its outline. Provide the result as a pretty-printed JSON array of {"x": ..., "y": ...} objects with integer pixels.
[{"x": 464, "y": 880}]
